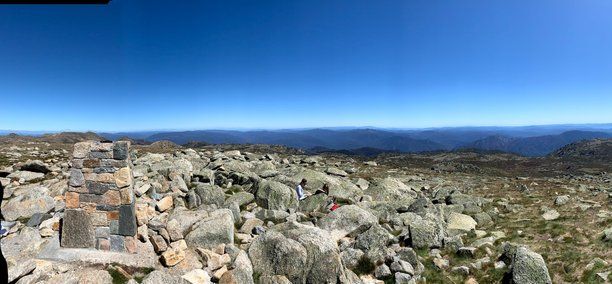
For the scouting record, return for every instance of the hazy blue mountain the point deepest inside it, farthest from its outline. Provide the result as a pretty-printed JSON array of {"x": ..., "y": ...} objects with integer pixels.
[
  {"x": 524, "y": 140},
  {"x": 534, "y": 146},
  {"x": 306, "y": 139}
]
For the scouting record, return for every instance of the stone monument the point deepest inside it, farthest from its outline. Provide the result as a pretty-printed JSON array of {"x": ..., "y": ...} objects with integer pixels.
[{"x": 100, "y": 211}]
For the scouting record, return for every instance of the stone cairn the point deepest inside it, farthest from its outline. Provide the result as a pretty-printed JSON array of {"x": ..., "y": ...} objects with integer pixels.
[{"x": 100, "y": 211}]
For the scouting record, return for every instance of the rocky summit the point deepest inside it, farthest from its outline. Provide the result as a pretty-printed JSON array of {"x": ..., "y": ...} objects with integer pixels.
[{"x": 100, "y": 212}]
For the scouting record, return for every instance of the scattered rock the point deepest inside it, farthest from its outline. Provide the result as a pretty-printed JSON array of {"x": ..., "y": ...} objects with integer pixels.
[
  {"x": 173, "y": 256},
  {"x": 550, "y": 215},
  {"x": 197, "y": 276},
  {"x": 336, "y": 172},
  {"x": 607, "y": 235},
  {"x": 164, "y": 204},
  {"x": 561, "y": 199},
  {"x": 159, "y": 277}
]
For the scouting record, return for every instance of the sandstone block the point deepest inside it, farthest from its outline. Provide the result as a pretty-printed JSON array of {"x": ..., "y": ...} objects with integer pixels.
[
  {"x": 164, "y": 204},
  {"x": 101, "y": 170},
  {"x": 112, "y": 215},
  {"x": 81, "y": 150},
  {"x": 100, "y": 147},
  {"x": 103, "y": 244},
  {"x": 172, "y": 256},
  {"x": 72, "y": 200},
  {"x": 88, "y": 207},
  {"x": 112, "y": 197},
  {"x": 127, "y": 195},
  {"x": 123, "y": 177},
  {"x": 80, "y": 189},
  {"x": 104, "y": 178},
  {"x": 130, "y": 244},
  {"x": 98, "y": 219},
  {"x": 91, "y": 163}
]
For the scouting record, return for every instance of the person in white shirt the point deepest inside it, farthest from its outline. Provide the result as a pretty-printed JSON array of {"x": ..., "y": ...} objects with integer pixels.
[{"x": 300, "y": 189}]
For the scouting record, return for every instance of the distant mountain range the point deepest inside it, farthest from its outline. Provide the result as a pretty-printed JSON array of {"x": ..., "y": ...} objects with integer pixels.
[
  {"x": 534, "y": 146},
  {"x": 523, "y": 140}
]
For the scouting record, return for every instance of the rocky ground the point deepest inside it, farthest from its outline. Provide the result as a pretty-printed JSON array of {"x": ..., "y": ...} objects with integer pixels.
[{"x": 229, "y": 214}]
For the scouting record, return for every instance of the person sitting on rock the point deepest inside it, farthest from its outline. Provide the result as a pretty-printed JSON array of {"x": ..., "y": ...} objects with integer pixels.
[{"x": 300, "y": 189}]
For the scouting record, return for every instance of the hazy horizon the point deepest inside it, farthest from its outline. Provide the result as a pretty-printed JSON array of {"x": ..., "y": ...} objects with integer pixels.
[{"x": 594, "y": 126}]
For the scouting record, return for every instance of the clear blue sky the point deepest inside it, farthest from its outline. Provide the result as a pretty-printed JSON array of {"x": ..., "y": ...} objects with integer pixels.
[{"x": 140, "y": 65}]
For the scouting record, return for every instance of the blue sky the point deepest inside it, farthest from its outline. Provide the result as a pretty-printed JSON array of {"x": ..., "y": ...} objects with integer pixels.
[{"x": 142, "y": 65}]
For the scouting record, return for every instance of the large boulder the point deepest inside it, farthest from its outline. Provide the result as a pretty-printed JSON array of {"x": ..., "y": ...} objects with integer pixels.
[
  {"x": 276, "y": 196},
  {"x": 210, "y": 194},
  {"x": 460, "y": 223},
  {"x": 390, "y": 189},
  {"x": 313, "y": 203},
  {"x": 242, "y": 272},
  {"x": 25, "y": 176},
  {"x": 336, "y": 172},
  {"x": 373, "y": 242},
  {"x": 212, "y": 231},
  {"x": 186, "y": 218},
  {"x": 346, "y": 220},
  {"x": 351, "y": 258},
  {"x": 182, "y": 167},
  {"x": 241, "y": 198},
  {"x": 529, "y": 267},
  {"x": 338, "y": 186},
  {"x": 28, "y": 201},
  {"x": 276, "y": 279},
  {"x": 36, "y": 166},
  {"x": 22, "y": 245},
  {"x": 456, "y": 197},
  {"x": 20, "y": 269},
  {"x": 426, "y": 233},
  {"x": 238, "y": 166},
  {"x": 303, "y": 254}
]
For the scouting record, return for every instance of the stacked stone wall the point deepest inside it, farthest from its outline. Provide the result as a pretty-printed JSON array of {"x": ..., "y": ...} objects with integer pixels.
[{"x": 100, "y": 211}]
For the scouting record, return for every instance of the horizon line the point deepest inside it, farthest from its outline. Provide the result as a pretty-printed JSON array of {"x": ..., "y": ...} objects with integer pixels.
[{"x": 245, "y": 129}]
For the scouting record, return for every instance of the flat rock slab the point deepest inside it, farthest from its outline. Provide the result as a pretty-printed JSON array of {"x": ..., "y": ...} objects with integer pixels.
[
  {"x": 77, "y": 231},
  {"x": 144, "y": 258}
]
